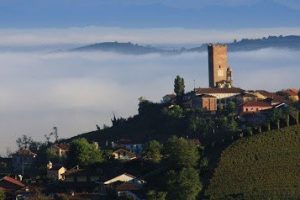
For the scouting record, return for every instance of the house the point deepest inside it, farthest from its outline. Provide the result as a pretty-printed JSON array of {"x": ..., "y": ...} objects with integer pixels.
[
  {"x": 255, "y": 106},
  {"x": 55, "y": 172},
  {"x": 77, "y": 175},
  {"x": 123, "y": 154},
  {"x": 289, "y": 94},
  {"x": 22, "y": 160},
  {"x": 273, "y": 98},
  {"x": 134, "y": 147},
  {"x": 246, "y": 97},
  {"x": 61, "y": 149},
  {"x": 81, "y": 180},
  {"x": 10, "y": 186},
  {"x": 205, "y": 102},
  {"x": 223, "y": 95},
  {"x": 125, "y": 185},
  {"x": 202, "y": 101},
  {"x": 220, "y": 93},
  {"x": 129, "y": 190},
  {"x": 120, "y": 178}
]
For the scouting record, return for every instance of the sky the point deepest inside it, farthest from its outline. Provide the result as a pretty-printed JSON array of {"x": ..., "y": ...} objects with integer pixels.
[
  {"x": 42, "y": 86},
  {"x": 150, "y": 13}
]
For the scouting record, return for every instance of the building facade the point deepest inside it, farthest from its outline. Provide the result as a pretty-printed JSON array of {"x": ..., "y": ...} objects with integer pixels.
[
  {"x": 205, "y": 102},
  {"x": 255, "y": 106}
]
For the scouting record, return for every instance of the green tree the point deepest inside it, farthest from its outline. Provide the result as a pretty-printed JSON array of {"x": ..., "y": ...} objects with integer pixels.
[
  {"x": 275, "y": 116},
  {"x": 83, "y": 153},
  {"x": 153, "y": 195},
  {"x": 176, "y": 112},
  {"x": 204, "y": 164},
  {"x": 180, "y": 153},
  {"x": 148, "y": 108},
  {"x": 201, "y": 125},
  {"x": 152, "y": 151},
  {"x": 231, "y": 108},
  {"x": 179, "y": 87},
  {"x": 291, "y": 111},
  {"x": 2, "y": 195},
  {"x": 227, "y": 124},
  {"x": 184, "y": 185},
  {"x": 53, "y": 156}
]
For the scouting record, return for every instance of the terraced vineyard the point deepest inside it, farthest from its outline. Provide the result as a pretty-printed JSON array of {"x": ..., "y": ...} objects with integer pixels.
[{"x": 265, "y": 166}]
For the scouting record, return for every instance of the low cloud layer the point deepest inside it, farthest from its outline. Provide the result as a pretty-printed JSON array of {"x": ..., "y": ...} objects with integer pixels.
[
  {"x": 76, "y": 91},
  {"x": 12, "y": 39}
]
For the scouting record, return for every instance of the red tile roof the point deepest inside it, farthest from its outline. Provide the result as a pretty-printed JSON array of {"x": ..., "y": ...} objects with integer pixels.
[
  {"x": 256, "y": 104},
  {"x": 292, "y": 92},
  {"x": 206, "y": 96},
  {"x": 248, "y": 95},
  {"x": 218, "y": 90},
  {"x": 12, "y": 181},
  {"x": 271, "y": 95}
]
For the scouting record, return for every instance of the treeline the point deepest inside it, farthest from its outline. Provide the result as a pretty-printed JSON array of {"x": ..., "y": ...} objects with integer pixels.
[
  {"x": 175, "y": 172},
  {"x": 265, "y": 166},
  {"x": 156, "y": 121}
]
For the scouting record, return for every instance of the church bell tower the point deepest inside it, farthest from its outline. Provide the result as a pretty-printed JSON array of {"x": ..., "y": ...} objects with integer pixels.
[{"x": 220, "y": 74}]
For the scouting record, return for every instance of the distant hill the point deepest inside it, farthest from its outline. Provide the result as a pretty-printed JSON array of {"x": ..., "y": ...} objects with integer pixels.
[
  {"x": 117, "y": 47},
  {"x": 281, "y": 42},
  {"x": 265, "y": 166}
]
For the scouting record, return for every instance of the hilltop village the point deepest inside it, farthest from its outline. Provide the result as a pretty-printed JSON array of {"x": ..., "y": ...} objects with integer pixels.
[{"x": 169, "y": 150}]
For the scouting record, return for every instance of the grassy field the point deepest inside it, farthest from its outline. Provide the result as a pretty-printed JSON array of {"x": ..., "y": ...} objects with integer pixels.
[{"x": 265, "y": 166}]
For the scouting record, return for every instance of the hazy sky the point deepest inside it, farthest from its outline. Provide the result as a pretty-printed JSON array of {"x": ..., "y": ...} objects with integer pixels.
[
  {"x": 150, "y": 13},
  {"x": 41, "y": 87}
]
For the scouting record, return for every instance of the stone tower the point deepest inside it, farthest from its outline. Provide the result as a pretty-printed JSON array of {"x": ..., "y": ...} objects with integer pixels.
[{"x": 218, "y": 69}]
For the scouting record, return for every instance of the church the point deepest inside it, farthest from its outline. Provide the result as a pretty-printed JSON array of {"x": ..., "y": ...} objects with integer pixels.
[{"x": 220, "y": 90}]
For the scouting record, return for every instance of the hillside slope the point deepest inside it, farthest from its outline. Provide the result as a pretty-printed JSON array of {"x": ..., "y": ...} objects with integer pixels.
[{"x": 265, "y": 166}]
